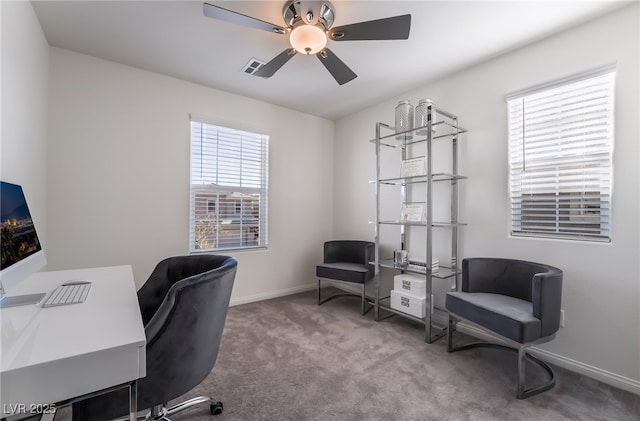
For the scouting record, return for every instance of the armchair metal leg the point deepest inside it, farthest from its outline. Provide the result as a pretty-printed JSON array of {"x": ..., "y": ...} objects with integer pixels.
[
  {"x": 364, "y": 299},
  {"x": 524, "y": 393},
  {"x": 521, "y": 371},
  {"x": 362, "y": 296},
  {"x": 521, "y": 391},
  {"x": 452, "y": 327},
  {"x": 365, "y": 310}
]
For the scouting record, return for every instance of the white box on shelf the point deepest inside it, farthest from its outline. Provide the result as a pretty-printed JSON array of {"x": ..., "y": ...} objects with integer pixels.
[
  {"x": 410, "y": 304},
  {"x": 406, "y": 283}
]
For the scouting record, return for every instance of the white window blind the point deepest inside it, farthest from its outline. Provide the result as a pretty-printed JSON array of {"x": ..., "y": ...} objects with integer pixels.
[
  {"x": 560, "y": 156},
  {"x": 229, "y": 188}
]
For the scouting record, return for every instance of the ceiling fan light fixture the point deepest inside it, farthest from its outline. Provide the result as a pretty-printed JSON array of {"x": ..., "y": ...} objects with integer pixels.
[
  {"x": 308, "y": 39},
  {"x": 309, "y": 25}
]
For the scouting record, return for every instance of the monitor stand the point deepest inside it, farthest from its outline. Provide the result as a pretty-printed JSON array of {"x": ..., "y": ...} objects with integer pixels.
[{"x": 21, "y": 300}]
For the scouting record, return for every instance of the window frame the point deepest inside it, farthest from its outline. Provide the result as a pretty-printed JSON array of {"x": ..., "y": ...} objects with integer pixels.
[
  {"x": 579, "y": 211},
  {"x": 216, "y": 189}
]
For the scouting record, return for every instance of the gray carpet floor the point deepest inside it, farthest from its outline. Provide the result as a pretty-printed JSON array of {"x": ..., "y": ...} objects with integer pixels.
[{"x": 288, "y": 359}]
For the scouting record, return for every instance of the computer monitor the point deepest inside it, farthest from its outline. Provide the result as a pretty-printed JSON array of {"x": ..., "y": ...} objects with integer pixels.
[{"x": 21, "y": 251}]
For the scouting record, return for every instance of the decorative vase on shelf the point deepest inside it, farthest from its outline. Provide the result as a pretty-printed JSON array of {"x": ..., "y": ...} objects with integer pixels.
[
  {"x": 404, "y": 119},
  {"x": 422, "y": 116}
]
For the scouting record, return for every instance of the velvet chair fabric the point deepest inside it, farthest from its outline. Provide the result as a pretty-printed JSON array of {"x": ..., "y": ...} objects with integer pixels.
[
  {"x": 184, "y": 306},
  {"x": 514, "y": 298},
  {"x": 347, "y": 261},
  {"x": 517, "y": 300}
]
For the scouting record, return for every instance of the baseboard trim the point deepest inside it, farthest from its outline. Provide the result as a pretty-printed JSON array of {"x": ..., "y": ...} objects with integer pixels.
[
  {"x": 604, "y": 376},
  {"x": 271, "y": 294},
  {"x": 612, "y": 379}
]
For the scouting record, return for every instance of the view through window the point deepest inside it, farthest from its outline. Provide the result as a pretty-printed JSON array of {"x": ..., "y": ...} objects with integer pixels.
[{"x": 229, "y": 188}]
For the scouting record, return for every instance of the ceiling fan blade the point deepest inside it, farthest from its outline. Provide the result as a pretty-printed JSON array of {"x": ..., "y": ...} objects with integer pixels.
[
  {"x": 396, "y": 27},
  {"x": 218, "y": 12},
  {"x": 276, "y": 63},
  {"x": 312, "y": 6},
  {"x": 340, "y": 71}
]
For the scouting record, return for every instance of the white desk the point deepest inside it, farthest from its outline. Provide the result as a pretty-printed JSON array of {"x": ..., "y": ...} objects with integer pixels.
[{"x": 55, "y": 354}]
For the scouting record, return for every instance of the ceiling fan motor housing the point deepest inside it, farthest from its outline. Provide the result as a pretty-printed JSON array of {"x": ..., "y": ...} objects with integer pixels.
[{"x": 293, "y": 13}]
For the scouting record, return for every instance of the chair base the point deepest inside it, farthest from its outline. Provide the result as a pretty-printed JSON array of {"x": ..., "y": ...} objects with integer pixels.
[
  {"x": 363, "y": 297},
  {"x": 215, "y": 407},
  {"x": 161, "y": 412},
  {"x": 521, "y": 391}
]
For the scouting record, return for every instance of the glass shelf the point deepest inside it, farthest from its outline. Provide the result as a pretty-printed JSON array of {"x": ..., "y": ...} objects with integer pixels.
[
  {"x": 449, "y": 130},
  {"x": 442, "y": 273},
  {"x": 398, "y": 181},
  {"x": 424, "y": 224},
  {"x": 385, "y": 304}
]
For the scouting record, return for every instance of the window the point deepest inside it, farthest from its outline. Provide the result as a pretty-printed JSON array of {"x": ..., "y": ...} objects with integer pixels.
[
  {"x": 560, "y": 158},
  {"x": 229, "y": 188}
]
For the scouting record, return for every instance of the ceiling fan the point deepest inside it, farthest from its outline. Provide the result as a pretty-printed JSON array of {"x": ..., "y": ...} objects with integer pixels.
[{"x": 308, "y": 24}]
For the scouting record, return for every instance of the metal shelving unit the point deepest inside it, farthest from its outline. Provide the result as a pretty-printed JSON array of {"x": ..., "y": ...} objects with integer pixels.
[{"x": 447, "y": 130}]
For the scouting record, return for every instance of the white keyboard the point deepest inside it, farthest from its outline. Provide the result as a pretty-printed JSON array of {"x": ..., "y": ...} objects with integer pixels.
[{"x": 69, "y": 293}]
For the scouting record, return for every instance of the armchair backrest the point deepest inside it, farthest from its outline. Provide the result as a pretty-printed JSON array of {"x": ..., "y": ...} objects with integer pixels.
[{"x": 349, "y": 251}]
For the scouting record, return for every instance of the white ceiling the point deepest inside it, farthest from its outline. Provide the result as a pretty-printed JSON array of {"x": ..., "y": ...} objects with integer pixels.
[{"x": 175, "y": 38}]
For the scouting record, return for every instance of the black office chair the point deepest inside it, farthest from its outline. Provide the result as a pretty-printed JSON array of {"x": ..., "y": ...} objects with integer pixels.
[
  {"x": 347, "y": 261},
  {"x": 184, "y": 306},
  {"x": 518, "y": 301}
]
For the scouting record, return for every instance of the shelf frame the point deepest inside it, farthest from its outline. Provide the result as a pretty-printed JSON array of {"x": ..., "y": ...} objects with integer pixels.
[{"x": 448, "y": 129}]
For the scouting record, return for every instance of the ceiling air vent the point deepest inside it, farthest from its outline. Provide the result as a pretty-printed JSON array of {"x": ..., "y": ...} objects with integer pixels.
[{"x": 252, "y": 66}]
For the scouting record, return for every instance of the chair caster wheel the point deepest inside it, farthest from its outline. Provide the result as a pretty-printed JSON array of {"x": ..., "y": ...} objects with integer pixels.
[{"x": 216, "y": 408}]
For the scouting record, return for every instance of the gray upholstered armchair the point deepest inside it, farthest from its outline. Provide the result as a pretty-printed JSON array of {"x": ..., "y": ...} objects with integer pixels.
[
  {"x": 184, "y": 307},
  {"x": 347, "y": 261},
  {"x": 516, "y": 300}
]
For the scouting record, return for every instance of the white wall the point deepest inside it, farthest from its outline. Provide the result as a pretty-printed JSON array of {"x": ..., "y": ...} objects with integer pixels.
[
  {"x": 23, "y": 147},
  {"x": 601, "y": 291},
  {"x": 119, "y": 174}
]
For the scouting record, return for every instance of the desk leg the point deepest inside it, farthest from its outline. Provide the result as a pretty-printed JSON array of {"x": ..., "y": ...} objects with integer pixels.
[
  {"x": 48, "y": 416},
  {"x": 133, "y": 400}
]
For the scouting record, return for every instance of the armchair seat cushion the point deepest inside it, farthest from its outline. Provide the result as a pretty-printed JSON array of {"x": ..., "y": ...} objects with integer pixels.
[
  {"x": 348, "y": 272},
  {"x": 508, "y": 316}
]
